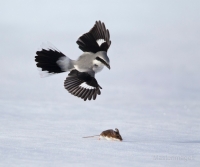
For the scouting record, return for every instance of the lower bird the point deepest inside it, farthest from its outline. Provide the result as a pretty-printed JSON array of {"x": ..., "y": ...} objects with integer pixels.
[{"x": 81, "y": 80}]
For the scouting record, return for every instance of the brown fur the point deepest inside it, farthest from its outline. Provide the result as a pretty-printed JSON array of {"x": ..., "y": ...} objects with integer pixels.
[{"x": 112, "y": 134}]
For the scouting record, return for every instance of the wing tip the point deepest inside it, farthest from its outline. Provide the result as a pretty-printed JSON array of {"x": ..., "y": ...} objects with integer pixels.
[{"x": 88, "y": 41}]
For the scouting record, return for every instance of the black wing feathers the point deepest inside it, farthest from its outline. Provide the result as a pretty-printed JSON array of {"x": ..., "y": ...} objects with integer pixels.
[
  {"x": 74, "y": 81},
  {"x": 88, "y": 41}
]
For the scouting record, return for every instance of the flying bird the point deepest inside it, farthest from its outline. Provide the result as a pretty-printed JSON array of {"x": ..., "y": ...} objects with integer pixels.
[{"x": 81, "y": 80}]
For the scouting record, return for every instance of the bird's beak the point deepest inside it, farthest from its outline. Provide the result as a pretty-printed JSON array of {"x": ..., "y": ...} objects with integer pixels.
[{"x": 107, "y": 65}]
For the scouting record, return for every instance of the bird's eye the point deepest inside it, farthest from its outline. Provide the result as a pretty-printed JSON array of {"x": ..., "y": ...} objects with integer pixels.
[{"x": 95, "y": 65}]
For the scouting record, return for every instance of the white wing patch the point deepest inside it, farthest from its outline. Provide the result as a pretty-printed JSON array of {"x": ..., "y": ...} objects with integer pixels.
[
  {"x": 100, "y": 41},
  {"x": 86, "y": 86}
]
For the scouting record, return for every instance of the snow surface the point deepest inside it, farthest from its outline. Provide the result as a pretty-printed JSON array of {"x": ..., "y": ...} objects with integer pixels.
[{"x": 153, "y": 99}]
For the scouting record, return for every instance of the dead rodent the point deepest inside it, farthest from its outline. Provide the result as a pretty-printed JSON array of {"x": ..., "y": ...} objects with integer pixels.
[{"x": 109, "y": 135}]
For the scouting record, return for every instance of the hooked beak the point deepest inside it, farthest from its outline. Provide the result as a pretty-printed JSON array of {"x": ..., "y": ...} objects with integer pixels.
[
  {"x": 108, "y": 66},
  {"x": 104, "y": 62}
]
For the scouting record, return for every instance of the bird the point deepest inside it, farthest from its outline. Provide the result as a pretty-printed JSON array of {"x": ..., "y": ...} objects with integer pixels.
[{"x": 81, "y": 81}]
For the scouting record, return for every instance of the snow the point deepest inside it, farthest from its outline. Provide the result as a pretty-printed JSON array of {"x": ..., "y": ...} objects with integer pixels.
[
  {"x": 153, "y": 99},
  {"x": 50, "y": 134}
]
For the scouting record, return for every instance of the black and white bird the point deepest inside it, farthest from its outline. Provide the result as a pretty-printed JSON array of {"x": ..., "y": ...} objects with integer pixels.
[{"x": 81, "y": 80}]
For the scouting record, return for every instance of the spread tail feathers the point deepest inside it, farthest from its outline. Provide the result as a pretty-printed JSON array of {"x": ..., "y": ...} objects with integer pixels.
[{"x": 53, "y": 61}]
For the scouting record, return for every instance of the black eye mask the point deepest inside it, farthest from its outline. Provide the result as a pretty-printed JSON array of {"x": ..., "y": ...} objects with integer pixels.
[{"x": 101, "y": 60}]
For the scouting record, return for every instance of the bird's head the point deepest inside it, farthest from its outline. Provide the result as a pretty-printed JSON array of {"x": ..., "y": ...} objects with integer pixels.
[{"x": 102, "y": 58}]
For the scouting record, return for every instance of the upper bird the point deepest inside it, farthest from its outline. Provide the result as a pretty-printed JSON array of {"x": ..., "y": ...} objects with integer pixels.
[{"x": 81, "y": 80}]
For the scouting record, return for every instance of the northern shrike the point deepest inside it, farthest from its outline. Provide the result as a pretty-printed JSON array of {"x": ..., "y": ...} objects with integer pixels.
[{"x": 81, "y": 80}]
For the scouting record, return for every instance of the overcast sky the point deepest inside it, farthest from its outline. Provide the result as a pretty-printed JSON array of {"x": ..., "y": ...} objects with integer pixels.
[{"x": 150, "y": 39}]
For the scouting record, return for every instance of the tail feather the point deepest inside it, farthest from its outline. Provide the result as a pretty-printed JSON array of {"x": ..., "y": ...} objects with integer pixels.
[
  {"x": 53, "y": 61},
  {"x": 51, "y": 68}
]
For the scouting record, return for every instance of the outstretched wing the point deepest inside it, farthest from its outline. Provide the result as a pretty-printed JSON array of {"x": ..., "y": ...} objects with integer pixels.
[
  {"x": 97, "y": 39},
  {"x": 81, "y": 84}
]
